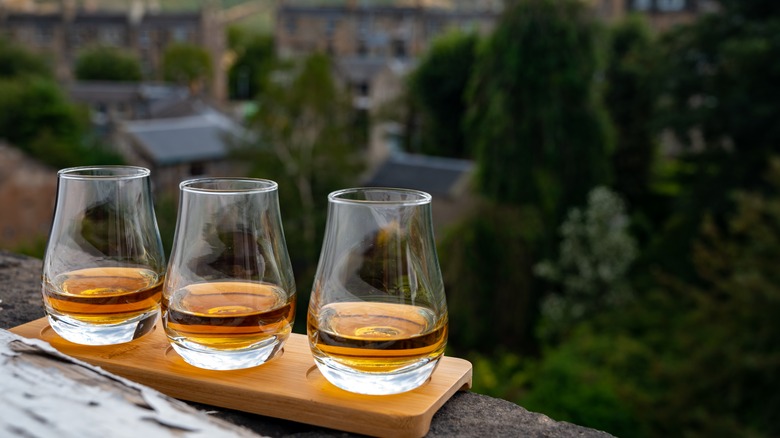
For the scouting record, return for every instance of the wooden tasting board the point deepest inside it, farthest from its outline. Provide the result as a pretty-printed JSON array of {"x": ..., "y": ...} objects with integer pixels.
[{"x": 289, "y": 387}]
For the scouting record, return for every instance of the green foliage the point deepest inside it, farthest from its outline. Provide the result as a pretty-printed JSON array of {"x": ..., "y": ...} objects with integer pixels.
[
  {"x": 694, "y": 358},
  {"x": 166, "y": 209},
  {"x": 581, "y": 382},
  {"x": 36, "y": 117},
  {"x": 631, "y": 97},
  {"x": 187, "y": 64},
  {"x": 30, "y": 106},
  {"x": 438, "y": 85},
  {"x": 729, "y": 333},
  {"x": 590, "y": 273},
  {"x": 17, "y": 62},
  {"x": 255, "y": 59},
  {"x": 535, "y": 119},
  {"x": 752, "y": 9},
  {"x": 107, "y": 64},
  {"x": 34, "y": 247},
  {"x": 722, "y": 101},
  {"x": 502, "y": 375},
  {"x": 487, "y": 266},
  {"x": 305, "y": 139}
]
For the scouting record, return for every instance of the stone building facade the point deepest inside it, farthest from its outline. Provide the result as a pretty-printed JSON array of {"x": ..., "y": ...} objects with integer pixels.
[
  {"x": 61, "y": 34},
  {"x": 371, "y": 31}
]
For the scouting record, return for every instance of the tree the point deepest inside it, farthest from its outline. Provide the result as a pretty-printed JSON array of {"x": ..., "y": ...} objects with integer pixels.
[
  {"x": 438, "y": 85},
  {"x": 29, "y": 107},
  {"x": 255, "y": 58},
  {"x": 16, "y": 62},
  {"x": 487, "y": 263},
  {"x": 590, "y": 273},
  {"x": 632, "y": 97},
  {"x": 107, "y": 64},
  {"x": 663, "y": 357},
  {"x": 535, "y": 120},
  {"x": 187, "y": 64},
  {"x": 720, "y": 100},
  {"x": 541, "y": 140},
  {"x": 36, "y": 117},
  {"x": 304, "y": 139},
  {"x": 723, "y": 100}
]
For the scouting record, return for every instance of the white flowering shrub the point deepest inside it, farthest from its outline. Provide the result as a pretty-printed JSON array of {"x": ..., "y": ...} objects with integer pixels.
[{"x": 596, "y": 251}]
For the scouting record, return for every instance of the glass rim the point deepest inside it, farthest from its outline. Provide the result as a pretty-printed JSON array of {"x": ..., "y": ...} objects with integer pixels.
[
  {"x": 419, "y": 197},
  {"x": 115, "y": 172},
  {"x": 253, "y": 185}
]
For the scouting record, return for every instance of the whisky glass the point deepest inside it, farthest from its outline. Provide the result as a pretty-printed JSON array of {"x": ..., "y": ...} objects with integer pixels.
[
  {"x": 104, "y": 262},
  {"x": 377, "y": 319},
  {"x": 229, "y": 295}
]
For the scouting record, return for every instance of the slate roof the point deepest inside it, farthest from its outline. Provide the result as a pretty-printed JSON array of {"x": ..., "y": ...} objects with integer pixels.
[
  {"x": 201, "y": 137},
  {"x": 438, "y": 176},
  {"x": 359, "y": 69},
  {"x": 156, "y": 96}
]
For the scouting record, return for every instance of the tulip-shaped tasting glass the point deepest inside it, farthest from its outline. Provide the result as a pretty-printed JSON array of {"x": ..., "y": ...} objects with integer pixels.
[
  {"x": 229, "y": 295},
  {"x": 104, "y": 262},
  {"x": 377, "y": 320}
]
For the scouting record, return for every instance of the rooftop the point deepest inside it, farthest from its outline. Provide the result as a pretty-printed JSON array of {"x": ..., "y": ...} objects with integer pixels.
[
  {"x": 201, "y": 137},
  {"x": 438, "y": 176}
]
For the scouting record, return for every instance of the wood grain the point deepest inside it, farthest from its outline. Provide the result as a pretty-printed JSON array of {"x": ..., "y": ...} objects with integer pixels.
[{"x": 288, "y": 387}]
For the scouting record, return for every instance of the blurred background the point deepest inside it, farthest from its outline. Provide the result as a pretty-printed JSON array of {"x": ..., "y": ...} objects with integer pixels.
[{"x": 605, "y": 173}]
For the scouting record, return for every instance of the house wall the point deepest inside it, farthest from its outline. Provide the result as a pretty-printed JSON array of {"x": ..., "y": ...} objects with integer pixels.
[
  {"x": 62, "y": 35},
  {"x": 380, "y": 31}
]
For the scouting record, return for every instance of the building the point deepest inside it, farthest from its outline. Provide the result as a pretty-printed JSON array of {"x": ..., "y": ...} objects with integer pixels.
[
  {"x": 446, "y": 179},
  {"x": 113, "y": 102},
  {"x": 364, "y": 39},
  {"x": 181, "y": 147},
  {"x": 661, "y": 14},
  {"x": 374, "y": 46},
  {"x": 61, "y": 34},
  {"x": 403, "y": 31},
  {"x": 385, "y": 32}
]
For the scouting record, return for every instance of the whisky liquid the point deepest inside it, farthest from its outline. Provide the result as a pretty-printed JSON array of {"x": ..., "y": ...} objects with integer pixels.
[
  {"x": 228, "y": 315},
  {"x": 103, "y": 295},
  {"x": 376, "y": 337}
]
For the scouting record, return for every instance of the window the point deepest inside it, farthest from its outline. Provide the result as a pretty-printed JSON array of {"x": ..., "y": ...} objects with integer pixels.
[
  {"x": 670, "y": 5},
  {"x": 330, "y": 26},
  {"x": 43, "y": 35},
  {"x": 432, "y": 27},
  {"x": 181, "y": 34},
  {"x": 364, "y": 26},
  {"x": 291, "y": 24},
  {"x": 362, "y": 88},
  {"x": 111, "y": 36},
  {"x": 76, "y": 39},
  {"x": 641, "y": 5},
  {"x": 399, "y": 48},
  {"x": 144, "y": 38}
]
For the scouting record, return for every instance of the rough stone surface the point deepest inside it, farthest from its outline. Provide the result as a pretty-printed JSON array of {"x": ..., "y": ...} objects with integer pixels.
[
  {"x": 20, "y": 289},
  {"x": 466, "y": 414}
]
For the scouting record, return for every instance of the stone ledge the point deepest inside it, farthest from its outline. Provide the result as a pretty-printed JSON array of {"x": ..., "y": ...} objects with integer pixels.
[{"x": 467, "y": 414}]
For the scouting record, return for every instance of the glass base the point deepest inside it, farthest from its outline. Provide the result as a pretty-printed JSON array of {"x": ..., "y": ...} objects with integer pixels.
[
  {"x": 80, "y": 332},
  {"x": 213, "y": 359},
  {"x": 405, "y": 379}
]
